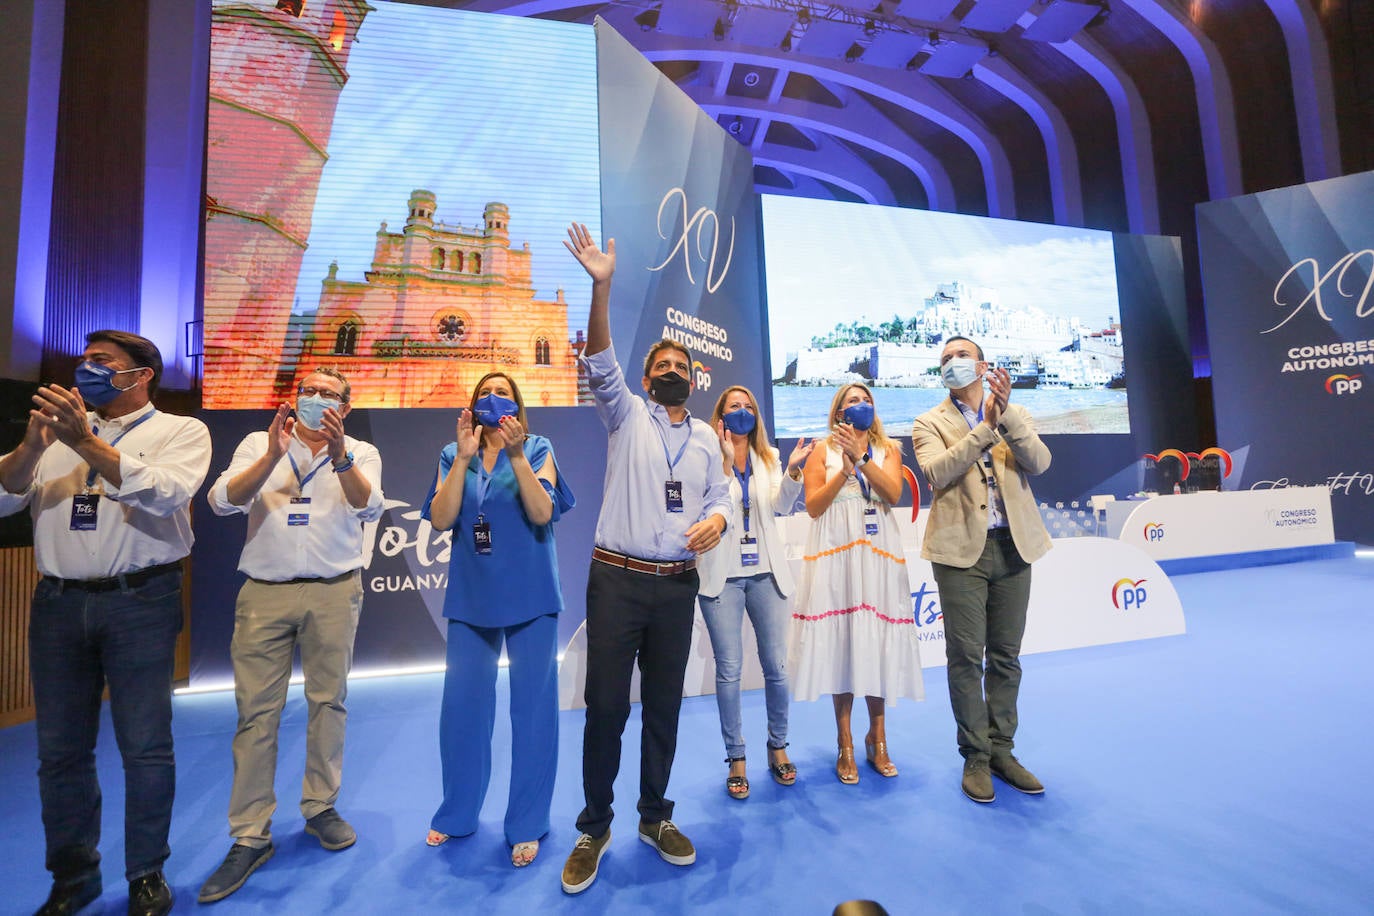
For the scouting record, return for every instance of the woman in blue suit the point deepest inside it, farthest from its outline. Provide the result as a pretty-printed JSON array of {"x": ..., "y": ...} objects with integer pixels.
[
  {"x": 498, "y": 492},
  {"x": 748, "y": 572}
]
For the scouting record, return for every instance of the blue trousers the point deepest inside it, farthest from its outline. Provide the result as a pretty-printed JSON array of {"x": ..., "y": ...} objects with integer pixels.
[
  {"x": 78, "y": 642},
  {"x": 770, "y": 615},
  {"x": 468, "y": 715}
]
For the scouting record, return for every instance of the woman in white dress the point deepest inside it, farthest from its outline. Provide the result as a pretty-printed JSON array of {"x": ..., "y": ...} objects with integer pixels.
[{"x": 853, "y": 630}]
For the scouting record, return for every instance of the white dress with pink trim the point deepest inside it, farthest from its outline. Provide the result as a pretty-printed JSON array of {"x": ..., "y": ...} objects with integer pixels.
[{"x": 853, "y": 626}]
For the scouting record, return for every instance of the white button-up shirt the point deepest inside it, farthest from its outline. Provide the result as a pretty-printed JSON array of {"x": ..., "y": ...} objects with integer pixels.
[
  {"x": 278, "y": 547},
  {"x": 145, "y": 521}
]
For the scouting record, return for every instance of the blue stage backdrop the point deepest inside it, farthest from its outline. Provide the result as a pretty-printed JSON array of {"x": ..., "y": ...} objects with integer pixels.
[
  {"x": 677, "y": 195},
  {"x": 1290, "y": 322}
]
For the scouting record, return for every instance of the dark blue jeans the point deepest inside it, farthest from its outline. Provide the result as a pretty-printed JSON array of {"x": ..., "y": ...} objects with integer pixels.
[{"x": 78, "y": 642}]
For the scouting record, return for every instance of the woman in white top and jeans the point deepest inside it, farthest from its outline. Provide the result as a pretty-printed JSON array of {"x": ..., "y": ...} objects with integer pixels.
[{"x": 748, "y": 572}]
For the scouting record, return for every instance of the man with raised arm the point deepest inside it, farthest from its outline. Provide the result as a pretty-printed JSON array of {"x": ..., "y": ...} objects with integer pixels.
[{"x": 666, "y": 500}]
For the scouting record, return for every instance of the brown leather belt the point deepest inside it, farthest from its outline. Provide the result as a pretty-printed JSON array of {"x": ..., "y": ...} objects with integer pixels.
[{"x": 611, "y": 558}]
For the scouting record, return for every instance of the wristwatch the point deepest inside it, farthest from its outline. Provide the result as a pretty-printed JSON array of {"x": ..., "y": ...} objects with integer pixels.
[
  {"x": 347, "y": 463},
  {"x": 861, "y": 460}
]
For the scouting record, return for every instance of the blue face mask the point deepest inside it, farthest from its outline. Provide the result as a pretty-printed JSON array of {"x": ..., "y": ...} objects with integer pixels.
[
  {"x": 740, "y": 422},
  {"x": 859, "y": 416},
  {"x": 959, "y": 373},
  {"x": 490, "y": 408},
  {"x": 310, "y": 409},
  {"x": 96, "y": 383}
]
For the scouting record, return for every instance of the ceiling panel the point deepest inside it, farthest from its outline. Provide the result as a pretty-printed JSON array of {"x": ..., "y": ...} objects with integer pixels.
[
  {"x": 762, "y": 27},
  {"x": 689, "y": 18},
  {"x": 824, "y": 38},
  {"x": 893, "y": 49},
  {"x": 1060, "y": 21},
  {"x": 995, "y": 15}
]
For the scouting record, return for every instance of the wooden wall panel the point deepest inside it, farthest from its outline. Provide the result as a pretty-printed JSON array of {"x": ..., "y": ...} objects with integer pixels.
[{"x": 18, "y": 576}]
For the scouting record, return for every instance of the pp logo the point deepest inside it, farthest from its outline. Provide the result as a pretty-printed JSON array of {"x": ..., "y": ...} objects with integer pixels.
[
  {"x": 701, "y": 376},
  {"x": 1344, "y": 384},
  {"x": 1127, "y": 594},
  {"x": 1154, "y": 532}
]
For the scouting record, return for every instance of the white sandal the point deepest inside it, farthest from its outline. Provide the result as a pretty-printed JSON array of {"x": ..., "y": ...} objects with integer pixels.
[
  {"x": 519, "y": 851},
  {"x": 435, "y": 838}
]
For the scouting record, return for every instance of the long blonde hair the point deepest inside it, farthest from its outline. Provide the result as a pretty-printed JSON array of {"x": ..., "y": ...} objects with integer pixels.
[
  {"x": 876, "y": 437},
  {"x": 758, "y": 443}
]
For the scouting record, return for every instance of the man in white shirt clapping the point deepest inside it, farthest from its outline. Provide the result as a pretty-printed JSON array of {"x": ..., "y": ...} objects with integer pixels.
[
  {"x": 307, "y": 489},
  {"x": 109, "y": 490}
]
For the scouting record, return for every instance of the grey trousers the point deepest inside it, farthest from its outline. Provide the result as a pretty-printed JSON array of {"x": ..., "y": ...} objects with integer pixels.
[
  {"x": 271, "y": 620},
  {"x": 984, "y": 608}
]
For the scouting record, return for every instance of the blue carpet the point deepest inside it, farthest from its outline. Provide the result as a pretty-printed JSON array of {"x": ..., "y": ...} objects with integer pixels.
[{"x": 1210, "y": 773}]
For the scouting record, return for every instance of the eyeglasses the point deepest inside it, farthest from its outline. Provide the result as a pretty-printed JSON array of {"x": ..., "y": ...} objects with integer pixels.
[{"x": 311, "y": 391}]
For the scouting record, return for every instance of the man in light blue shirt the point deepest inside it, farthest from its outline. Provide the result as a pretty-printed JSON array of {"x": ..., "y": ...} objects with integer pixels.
[{"x": 666, "y": 500}]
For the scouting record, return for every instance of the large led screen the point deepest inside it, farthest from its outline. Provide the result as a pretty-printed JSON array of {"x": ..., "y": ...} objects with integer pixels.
[
  {"x": 388, "y": 186},
  {"x": 867, "y": 293}
]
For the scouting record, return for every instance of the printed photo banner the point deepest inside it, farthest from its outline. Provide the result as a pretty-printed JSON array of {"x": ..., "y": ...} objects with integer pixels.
[{"x": 1288, "y": 280}]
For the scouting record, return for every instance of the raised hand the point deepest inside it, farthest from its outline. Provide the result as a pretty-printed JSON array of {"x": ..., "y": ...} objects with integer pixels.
[
  {"x": 38, "y": 435},
  {"x": 279, "y": 431},
  {"x": 512, "y": 436},
  {"x": 469, "y": 436},
  {"x": 599, "y": 265},
  {"x": 63, "y": 410},
  {"x": 333, "y": 429},
  {"x": 851, "y": 442},
  {"x": 999, "y": 385},
  {"x": 800, "y": 452},
  {"x": 727, "y": 443}
]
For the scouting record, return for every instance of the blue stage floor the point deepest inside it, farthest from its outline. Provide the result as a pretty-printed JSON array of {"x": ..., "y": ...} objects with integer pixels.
[{"x": 1217, "y": 772}]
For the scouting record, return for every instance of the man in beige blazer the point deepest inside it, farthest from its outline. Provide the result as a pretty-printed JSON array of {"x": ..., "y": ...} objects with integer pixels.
[{"x": 983, "y": 532}]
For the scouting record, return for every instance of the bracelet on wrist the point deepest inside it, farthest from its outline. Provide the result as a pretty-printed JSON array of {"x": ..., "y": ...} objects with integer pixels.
[{"x": 345, "y": 465}]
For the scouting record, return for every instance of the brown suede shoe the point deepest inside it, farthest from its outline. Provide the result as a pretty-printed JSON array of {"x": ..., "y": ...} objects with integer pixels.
[
  {"x": 977, "y": 783},
  {"x": 580, "y": 870},
  {"x": 672, "y": 846},
  {"x": 1008, "y": 769}
]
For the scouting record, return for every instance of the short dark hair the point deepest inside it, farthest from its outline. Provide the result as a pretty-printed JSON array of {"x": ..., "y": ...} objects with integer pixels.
[
  {"x": 950, "y": 340},
  {"x": 141, "y": 350},
  {"x": 337, "y": 376},
  {"x": 665, "y": 344}
]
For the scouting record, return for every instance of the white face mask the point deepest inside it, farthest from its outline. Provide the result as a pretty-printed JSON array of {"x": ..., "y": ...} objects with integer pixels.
[
  {"x": 959, "y": 373},
  {"x": 310, "y": 410}
]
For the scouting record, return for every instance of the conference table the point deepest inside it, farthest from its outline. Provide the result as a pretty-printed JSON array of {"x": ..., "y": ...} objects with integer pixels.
[{"x": 1211, "y": 522}]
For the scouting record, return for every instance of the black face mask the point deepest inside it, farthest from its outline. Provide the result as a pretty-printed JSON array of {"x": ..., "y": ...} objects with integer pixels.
[{"x": 670, "y": 389}]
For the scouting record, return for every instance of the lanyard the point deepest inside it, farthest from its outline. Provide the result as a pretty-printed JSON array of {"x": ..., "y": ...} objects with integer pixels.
[
  {"x": 90, "y": 478},
  {"x": 863, "y": 484},
  {"x": 663, "y": 438},
  {"x": 744, "y": 487},
  {"x": 971, "y": 423},
  {"x": 986, "y": 459},
  {"x": 484, "y": 479},
  {"x": 295, "y": 468}
]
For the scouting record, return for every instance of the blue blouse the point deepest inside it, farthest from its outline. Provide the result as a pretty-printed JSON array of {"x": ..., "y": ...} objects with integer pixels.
[{"x": 522, "y": 552}]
